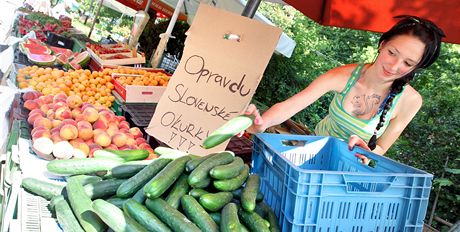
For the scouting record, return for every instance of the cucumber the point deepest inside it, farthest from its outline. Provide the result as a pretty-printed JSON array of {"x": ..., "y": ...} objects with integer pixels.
[
  {"x": 193, "y": 163},
  {"x": 216, "y": 217},
  {"x": 234, "y": 183},
  {"x": 196, "y": 193},
  {"x": 115, "y": 218},
  {"x": 129, "y": 169},
  {"x": 103, "y": 154},
  {"x": 228, "y": 130},
  {"x": 197, "y": 214},
  {"x": 270, "y": 216},
  {"x": 169, "y": 153},
  {"x": 237, "y": 194},
  {"x": 103, "y": 189},
  {"x": 166, "y": 177},
  {"x": 80, "y": 166},
  {"x": 144, "y": 217},
  {"x": 87, "y": 179},
  {"x": 202, "y": 171},
  {"x": 253, "y": 221},
  {"x": 229, "y": 218},
  {"x": 133, "y": 184},
  {"x": 42, "y": 188},
  {"x": 81, "y": 206},
  {"x": 118, "y": 202},
  {"x": 215, "y": 201},
  {"x": 227, "y": 171},
  {"x": 179, "y": 189},
  {"x": 64, "y": 215},
  {"x": 203, "y": 183},
  {"x": 130, "y": 155},
  {"x": 249, "y": 193},
  {"x": 172, "y": 217}
]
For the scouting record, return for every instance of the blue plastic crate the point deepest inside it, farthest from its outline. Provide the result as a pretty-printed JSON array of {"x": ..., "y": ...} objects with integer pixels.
[{"x": 316, "y": 184}]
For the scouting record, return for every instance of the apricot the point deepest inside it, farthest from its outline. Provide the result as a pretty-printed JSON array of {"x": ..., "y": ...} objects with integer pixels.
[{"x": 68, "y": 132}]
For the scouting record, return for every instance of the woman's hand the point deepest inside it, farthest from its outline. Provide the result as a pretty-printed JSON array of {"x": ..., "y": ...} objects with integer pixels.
[
  {"x": 357, "y": 141},
  {"x": 257, "y": 123}
]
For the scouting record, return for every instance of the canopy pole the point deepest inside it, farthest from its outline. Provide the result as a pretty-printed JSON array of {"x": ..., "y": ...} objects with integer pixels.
[
  {"x": 251, "y": 8},
  {"x": 165, "y": 36},
  {"x": 147, "y": 7},
  {"x": 89, "y": 11},
  {"x": 95, "y": 17}
]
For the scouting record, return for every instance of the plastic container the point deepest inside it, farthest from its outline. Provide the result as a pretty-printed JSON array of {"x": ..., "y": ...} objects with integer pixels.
[
  {"x": 59, "y": 41},
  {"x": 315, "y": 183}
]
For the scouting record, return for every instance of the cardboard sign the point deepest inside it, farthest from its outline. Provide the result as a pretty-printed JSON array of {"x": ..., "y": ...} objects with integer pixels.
[{"x": 224, "y": 58}]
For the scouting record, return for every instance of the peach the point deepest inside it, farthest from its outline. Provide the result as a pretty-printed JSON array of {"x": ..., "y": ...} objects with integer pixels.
[
  {"x": 120, "y": 118},
  {"x": 80, "y": 150},
  {"x": 85, "y": 133},
  {"x": 90, "y": 114},
  {"x": 123, "y": 124},
  {"x": 89, "y": 141},
  {"x": 60, "y": 97},
  {"x": 31, "y": 104},
  {"x": 92, "y": 148},
  {"x": 98, "y": 131},
  {"x": 112, "y": 146},
  {"x": 73, "y": 142},
  {"x": 41, "y": 133},
  {"x": 76, "y": 112},
  {"x": 68, "y": 132},
  {"x": 56, "y": 137},
  {"x": 131, "y": 142},
  {"x": 30, "y": 95},
  {"x": 119, "y": 139},
  {"x": 43, "y": 122},
  {"x": 84, "y": 124},
  {"x": 50, "y": 114},
  {"x": 43, "y": 148},
  {"x": 39, "y": 111},
  {"x": 86, "y": 105},
  {"x": 44, "y": 107},
  {"x": 56, "y": 130},
  {"x": 102, "y": 139},
  {"x": 143, "y": 146},
  {"x": 38, "y": 128},
  {"x": 69, "y": 121},
  {"x": 59, "y": 105},
  {"x": 40, "y": 102},
  {"x": 100, "y": 124},
  {"x": 63, "y": 150},
  {"x": 56, "y": 123},
  {"x": 136, "y": 132},
  {"x": 63, "y": 113},
  {"x": 74, "y": 101},
  {"x": 140, "y": 140},
  {"x": 79, "y": 118},
  {"x": 111, "y": 130},
  {"x": 32, "y": 117},
  {"x": 48, "y": 99}
]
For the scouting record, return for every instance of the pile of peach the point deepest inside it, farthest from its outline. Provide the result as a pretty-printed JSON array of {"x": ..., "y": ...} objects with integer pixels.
[
  {"x": 92, "y": 87},
  {"x": 66, "y": 127},
  {"x": 142, "y": 79}
]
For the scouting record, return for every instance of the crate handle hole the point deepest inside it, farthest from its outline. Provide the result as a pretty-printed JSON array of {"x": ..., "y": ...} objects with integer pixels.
[{"x": 294, "y": 143}]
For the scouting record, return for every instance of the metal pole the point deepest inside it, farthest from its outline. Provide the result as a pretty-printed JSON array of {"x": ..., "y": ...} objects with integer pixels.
[
  {"x": 165, "y": 36},
  {"x": 147, "y": 7},
  {"x": 251, "y": 8},
  {"x": 89, "y": 11},
  {"x": 95, "y": 18}
]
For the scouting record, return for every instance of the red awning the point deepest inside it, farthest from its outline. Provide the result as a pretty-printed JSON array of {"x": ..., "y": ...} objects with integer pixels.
[
  {"x": 157, "y": 5},
  {"x": 377, "y": 15}
]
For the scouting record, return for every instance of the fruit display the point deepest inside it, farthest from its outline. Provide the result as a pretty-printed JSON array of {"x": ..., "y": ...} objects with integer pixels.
[
  {"x": 92, "y": 87},
  {"x": 176, "y": 192},
  {"x": 41, "y": 24},
  {"x": 114, "y": 54},
  {"x": 64, "y": 127},
  {"x": 142, "y": 79}
]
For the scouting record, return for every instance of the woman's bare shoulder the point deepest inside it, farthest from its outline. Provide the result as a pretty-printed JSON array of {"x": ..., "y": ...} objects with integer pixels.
[{"x": 338, "y": 77}]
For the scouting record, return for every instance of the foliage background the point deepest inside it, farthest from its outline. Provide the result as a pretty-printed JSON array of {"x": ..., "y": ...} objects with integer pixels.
[{"x": 431, "y": 138}]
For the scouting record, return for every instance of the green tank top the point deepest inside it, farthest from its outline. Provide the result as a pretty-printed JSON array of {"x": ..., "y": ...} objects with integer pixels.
[{"x": 342, "y": 125}]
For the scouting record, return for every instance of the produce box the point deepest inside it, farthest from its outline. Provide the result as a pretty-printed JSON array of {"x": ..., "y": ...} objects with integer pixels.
[
  {"x": 137, "y": 93},
  {"x": 122, "y": 57},
  {"x": 315, "y": 183}
]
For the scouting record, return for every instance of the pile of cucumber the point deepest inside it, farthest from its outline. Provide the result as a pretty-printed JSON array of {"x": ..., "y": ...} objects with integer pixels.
[{"x": 178, "y": 193}]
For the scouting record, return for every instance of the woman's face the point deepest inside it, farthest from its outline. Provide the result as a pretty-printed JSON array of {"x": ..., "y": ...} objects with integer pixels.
[{"x": 399, "y": 56}]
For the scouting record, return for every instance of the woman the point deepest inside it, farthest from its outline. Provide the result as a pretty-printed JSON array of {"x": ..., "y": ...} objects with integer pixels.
[{"x": 373, "y": 102}]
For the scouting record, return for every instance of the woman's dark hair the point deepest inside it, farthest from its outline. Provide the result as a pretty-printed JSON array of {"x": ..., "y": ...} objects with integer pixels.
[{"x": 431, "y": 36}]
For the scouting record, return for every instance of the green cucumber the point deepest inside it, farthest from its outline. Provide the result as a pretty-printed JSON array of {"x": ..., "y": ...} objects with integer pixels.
[
  {"x": 196, "y": 193},
  {"x": 104, "y": 188},
  {"x": 197, "y": 214},
  {"x": 228, "y": 130},
  {"x": 115, "y": 218},
  {"x": 144, "y": 217},
  {"x": 64, "y": 215},
  {"x": 133, "y": 184},
  {"x": 249, "y": 193},
  {"x": 270, "y": 216},
  {"x": 179, "y": 189},
  {"x": 227, "y": 171},
  {"x": 237, "y": 194},
  {"x": 229, "y": 218},
  {"x": 118, "y": 202},
  {"x": 203, "y": 183},
  {"x": 166, "y": 177},
  {"x": 80, "y": 166},
  {"x": 234, "y": 183},
  {"x": 42, "y": 188},
  {"x": 193, "y": 163},
  {"x": 169, "y": 153},
  {"x": 129, "y": 169},
  {"x": 215, "y": 201},
  {"x": 216, "y": 217},
  {"x": 172, "y": 217},
  {"x": 202, "y": 171},
  {"x": 103, "y": 154},
  {"x": 130, "y": 155},
  {"x": 81, "y": 206},
  {"x": 253, "y": 221},
  {"x": 87, "y": 179}
]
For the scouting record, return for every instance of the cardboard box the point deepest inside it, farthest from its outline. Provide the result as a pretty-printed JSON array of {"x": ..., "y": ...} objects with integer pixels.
[
  {"x": 136, "y": 93},
  {"x": 102, "y": 59}
]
